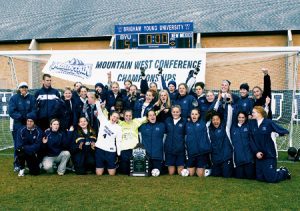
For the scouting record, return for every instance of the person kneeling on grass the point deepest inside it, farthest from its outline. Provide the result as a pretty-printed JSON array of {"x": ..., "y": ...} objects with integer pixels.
[
  {"x": 152, "y": 137},
  {"x": 174, "y": 145},
  {"x": 83, "y": 147},
  {"x": 197, "y": 143},
  {"x": 29, "y": 139},
  {"x": 55, "y": 146},
  {"x": 108, "y": 142},
  {"x": 264, "y": 147}
]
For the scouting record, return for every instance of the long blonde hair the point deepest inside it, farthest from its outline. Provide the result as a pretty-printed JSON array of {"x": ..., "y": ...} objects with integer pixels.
[{"x": 168, "y": 102}]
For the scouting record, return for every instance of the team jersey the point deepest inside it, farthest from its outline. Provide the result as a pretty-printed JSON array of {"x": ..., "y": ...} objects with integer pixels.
[
  {"x": 130, "y": 133},
  {"x": 109, "y": 134}
]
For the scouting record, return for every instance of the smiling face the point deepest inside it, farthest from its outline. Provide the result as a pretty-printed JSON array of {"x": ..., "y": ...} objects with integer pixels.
[
  {"x": 210, "y": 97},
  {"x": 149, "y": 97},
  {"x": 216, "y": 121},
  {"x": 83, "y": 92},
  {"x": 257, "y": 93},
  {"x": 114, "y": 118},
  {"x": 115, "y": 88},
  {"x": 241, "y": 118},
  {"x": 83, "y": 123},
  {"x": 176, "y": 113},
  {"x": 67, "y": 94},
  {"x": 128, "y": 116},
  {"x": 182, "y": 90},
  {"x": 224, "y": 87},
  {"x": 243, "y": 92}
]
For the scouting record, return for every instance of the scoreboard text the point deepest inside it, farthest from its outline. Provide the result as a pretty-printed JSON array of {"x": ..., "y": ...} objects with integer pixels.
[{"x": 168, "y": 35}]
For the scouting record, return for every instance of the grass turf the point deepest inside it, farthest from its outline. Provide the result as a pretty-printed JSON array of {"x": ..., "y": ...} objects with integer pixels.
[{"x": 131, "y": 193}]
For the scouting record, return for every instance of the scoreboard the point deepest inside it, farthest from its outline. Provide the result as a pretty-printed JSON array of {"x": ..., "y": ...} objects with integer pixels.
[{"x": 145, "y": 36}]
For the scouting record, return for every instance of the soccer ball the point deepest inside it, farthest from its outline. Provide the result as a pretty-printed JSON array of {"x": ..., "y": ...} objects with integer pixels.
[
  {"x": 207, "y": 172},
  {"x": 185, "y": 172},
  {"x": 155, "y": 172}
]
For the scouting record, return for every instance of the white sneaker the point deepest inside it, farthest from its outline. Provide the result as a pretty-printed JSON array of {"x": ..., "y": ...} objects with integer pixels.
[
  {"x": 60, "y": 173},
  {"x": 21, "y": 173}
]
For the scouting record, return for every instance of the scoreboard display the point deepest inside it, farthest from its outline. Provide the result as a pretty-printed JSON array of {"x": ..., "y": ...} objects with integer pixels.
[{"x": 145, "y": 36}]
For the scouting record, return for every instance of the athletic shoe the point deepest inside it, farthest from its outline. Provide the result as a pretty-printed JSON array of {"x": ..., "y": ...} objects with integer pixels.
[
  {"x": 16, "y": 169},
  {"x": 289, "y": 175},
  {"x": 21, "y": 173},
  {"x": 60, "y": 173}
]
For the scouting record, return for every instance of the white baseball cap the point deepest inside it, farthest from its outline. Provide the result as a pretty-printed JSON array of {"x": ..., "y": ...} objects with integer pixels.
[{"x": 22, "y": 84}]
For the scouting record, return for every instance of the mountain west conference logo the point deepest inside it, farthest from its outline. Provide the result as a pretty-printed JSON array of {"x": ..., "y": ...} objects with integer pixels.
[{"x": 74, "y": 67}]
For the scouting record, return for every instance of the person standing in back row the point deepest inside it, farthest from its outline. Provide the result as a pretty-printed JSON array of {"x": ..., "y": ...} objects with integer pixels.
[{"x": 47, "y": 102}]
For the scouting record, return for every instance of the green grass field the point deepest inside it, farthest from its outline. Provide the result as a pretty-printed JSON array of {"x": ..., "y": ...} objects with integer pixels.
[{"x": 90, "y": 192}]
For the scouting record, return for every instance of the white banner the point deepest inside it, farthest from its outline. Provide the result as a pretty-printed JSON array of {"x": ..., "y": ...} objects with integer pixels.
[{"x": 92, "y": 67}]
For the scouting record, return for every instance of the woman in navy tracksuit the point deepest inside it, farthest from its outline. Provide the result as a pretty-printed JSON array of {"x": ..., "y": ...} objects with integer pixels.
[
  {"x": 185, "y": 101},
  {"x": 197, "y": 143},
  {"x": 112, "y": 96},
  {"x": 241, "y": 141},
  {"x": 83, "y": 147},
  {"x": 264, "y": 148},
  {"x": 143, "y": 106},
  {"x": 55, "y": 146},
  {"x": 29, "y": 139},
  {"x": 152, "y": 134},
  {"x": 67, "y": 117},
  {"x": 174, "y": 143},
  {"x": 219, "y": 134}
]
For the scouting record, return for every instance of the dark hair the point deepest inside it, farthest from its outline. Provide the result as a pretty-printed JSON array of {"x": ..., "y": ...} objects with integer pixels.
[
  {"x": 90, "y": 130},
  {"x": 128, "y": 110},
  {"x": 201, "y": 84},
  {"x": 244, "y": 113},
  {"x": 195, "y": 109},
  {"x": 128, "y": 81},
  {"x": 46, "y": 75},
  {"x": 211, "y": 113},
  {"x": 114, "y": 112},
  {"x": 147, "y": 114},
  {"x": 83, "y": 87},
  {"x": 77, "y": 83}
]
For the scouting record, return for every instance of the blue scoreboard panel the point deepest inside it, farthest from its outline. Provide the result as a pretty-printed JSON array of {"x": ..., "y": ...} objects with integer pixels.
[{"x": 164, "y": 35}]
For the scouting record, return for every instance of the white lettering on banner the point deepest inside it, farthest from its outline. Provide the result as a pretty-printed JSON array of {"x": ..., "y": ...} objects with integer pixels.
[{"x": 92, "y": 67}]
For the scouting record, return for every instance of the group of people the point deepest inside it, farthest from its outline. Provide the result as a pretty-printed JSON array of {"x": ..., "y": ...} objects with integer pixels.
[{"x": 189, "y": 127}]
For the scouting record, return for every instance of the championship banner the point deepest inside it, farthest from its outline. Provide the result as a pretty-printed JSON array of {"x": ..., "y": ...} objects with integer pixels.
[{"x": 92, "y": 67}]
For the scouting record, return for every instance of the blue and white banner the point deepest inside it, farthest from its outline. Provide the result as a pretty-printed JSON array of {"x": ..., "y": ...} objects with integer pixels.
[{"x": 92, "y": 67}]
